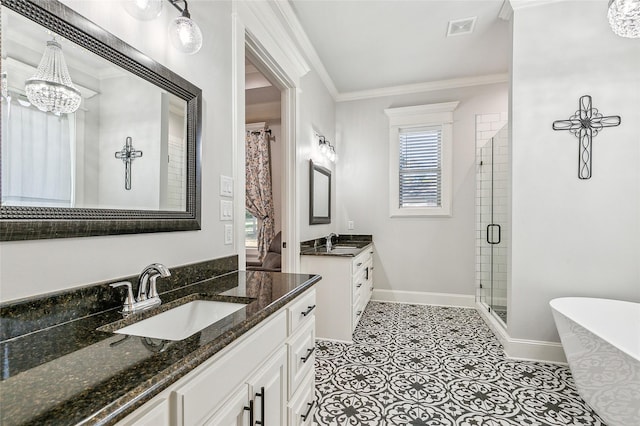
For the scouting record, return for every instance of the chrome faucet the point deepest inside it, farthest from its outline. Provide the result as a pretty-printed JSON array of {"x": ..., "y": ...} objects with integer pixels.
[
  {"x": 147, "y": 292},
  {"x": 329, "y": 241},
  {"x": 147, "y": 281}
]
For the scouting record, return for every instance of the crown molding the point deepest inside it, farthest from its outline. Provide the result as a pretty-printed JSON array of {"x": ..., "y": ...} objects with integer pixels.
[
  {"x": 506, "y": 11},
  {"x": 290, "y": 20},
  {"x": 265, "y": 24},
  {"x": 423, "y": 87},
  {"x": 296, "y": 32},
  {"x": 521, "y": 4}
]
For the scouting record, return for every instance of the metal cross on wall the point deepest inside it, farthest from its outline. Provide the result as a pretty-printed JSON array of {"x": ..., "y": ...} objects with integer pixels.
[
  {"x": 585, "y": 124},
  {"x": 127, "y": 154}
]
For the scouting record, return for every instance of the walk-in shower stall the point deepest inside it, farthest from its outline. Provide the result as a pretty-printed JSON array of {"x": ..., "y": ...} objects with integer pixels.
[{"x": 492, "y": 215}]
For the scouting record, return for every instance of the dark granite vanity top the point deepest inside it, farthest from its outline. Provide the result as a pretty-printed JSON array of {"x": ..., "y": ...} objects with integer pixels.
[
  {"x": 69, "y": 372},
  {"x": 343, "y": 246}
]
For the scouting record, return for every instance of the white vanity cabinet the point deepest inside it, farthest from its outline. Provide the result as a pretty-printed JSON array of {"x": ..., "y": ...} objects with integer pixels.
[
  {"x": 257, "y": 376},
  {"x": 343, "y": 292}
]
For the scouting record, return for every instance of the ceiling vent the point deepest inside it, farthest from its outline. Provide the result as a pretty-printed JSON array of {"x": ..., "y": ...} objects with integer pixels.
[{"x": 461, "y": 26}]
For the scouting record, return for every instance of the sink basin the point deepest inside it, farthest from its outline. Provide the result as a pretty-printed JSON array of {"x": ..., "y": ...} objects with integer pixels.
[
  {"x": 343, "y": 250},
  {"x": 183, "y": 321}
]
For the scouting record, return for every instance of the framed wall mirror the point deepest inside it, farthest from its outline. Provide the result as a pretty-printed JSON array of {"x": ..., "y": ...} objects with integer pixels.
[
  {"x": 319, "y": 194},
  {"x": 115, "y": 149}
]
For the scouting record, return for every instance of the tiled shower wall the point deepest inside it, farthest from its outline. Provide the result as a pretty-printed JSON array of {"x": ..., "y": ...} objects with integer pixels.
[{"x": 492, "y": 126}]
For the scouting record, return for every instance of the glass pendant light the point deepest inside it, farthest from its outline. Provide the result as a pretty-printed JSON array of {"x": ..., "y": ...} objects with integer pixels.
[
  {"x": 624, "y": 17},
  {"x": 185, "y": 34},
  {"x": 144, "y": 10},
  {"x": 51, "y": 88}
]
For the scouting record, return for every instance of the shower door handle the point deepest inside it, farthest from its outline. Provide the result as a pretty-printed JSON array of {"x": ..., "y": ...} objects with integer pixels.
[{"x": 490, "y": 233}]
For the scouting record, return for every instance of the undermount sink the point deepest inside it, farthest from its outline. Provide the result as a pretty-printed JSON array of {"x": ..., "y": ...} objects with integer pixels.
[
  {"x": 183, "y": 321},
  {"x": 343, "y": 249}
]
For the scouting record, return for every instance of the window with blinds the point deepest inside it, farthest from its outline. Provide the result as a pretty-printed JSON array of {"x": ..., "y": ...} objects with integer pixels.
[
  {"x": 421, "y": 160},
  {"x": 420, "y": 167}
]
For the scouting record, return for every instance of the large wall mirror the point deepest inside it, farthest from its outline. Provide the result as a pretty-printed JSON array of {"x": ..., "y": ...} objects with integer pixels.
[
  {"x": 114, "y": 151},
  {"x": 319, "y": 194}
]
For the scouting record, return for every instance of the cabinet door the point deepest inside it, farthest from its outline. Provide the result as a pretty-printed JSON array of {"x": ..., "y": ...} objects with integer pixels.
[
  {"x": 269, "y": 391},
  {"x": 234, "y": 412},
  {"x": 155, "y": 413},
  {"x": 303, "y": 405}
]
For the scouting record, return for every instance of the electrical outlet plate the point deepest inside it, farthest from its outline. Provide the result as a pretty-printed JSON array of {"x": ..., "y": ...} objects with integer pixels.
[
  {"x": 226, "y": 186},
  {"x": 226, "y": 210},
  {"x": 228, "y": 234}
]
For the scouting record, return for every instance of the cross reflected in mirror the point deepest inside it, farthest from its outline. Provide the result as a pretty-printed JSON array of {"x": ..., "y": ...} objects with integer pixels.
[
  {"x": 127, "y": 154},
  {"x": 585, "y": 124}
]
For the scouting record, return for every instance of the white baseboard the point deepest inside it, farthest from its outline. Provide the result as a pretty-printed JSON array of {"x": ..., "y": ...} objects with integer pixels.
[
  {"x": 423, "y": 298},
  {"x": 522, "y": 349},
  {"x": 324, "y": 339}
]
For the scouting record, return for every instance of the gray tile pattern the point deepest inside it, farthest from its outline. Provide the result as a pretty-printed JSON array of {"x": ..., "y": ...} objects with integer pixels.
[{"x": 430, "y": 365}]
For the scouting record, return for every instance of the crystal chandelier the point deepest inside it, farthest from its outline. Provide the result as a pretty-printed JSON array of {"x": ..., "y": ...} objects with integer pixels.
[
  {"x": 624, "y": 17},
  {"x": 51, "y": 88}
]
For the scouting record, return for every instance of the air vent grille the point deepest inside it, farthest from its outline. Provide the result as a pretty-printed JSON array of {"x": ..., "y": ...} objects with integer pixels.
[{"x": 461, "y": 26}]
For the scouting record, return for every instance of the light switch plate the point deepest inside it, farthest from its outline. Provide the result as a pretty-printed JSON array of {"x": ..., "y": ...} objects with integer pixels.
[
  {"x": 226, "y": 186},
  {"x": 350, "y": 225},
  {"x": 228, "y": 234},
  {"x": 226, "y": 210}
]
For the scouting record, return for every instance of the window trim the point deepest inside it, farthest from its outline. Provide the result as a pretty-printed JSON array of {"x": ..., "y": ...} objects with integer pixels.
[{"x": 403, "y": 118}]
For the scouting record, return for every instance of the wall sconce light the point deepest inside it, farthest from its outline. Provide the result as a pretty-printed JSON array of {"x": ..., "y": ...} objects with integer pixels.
[
  {"x": 184, "y": 33},
  {"x": 624, "y": 17},
  {"x": 326, "y": 148}
]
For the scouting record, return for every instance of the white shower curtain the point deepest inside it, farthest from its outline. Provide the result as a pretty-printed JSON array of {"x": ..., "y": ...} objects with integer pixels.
[{"x": 37, "y": 157}]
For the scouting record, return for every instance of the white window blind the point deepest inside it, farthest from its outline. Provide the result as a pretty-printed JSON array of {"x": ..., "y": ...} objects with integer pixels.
[{"x": 420, "y": 167}]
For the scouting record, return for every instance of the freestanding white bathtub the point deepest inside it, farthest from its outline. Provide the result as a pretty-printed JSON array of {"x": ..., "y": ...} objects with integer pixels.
[{"x": 601, "y": 339}]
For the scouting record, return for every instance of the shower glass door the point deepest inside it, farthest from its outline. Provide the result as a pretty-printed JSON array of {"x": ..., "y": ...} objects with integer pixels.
[{"x": 493, "y": 204}]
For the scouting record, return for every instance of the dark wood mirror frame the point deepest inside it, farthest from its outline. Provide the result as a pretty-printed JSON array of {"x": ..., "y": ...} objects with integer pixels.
[
  {"x": 32, "y": 223},
  {"x": 314, "y": 218}
]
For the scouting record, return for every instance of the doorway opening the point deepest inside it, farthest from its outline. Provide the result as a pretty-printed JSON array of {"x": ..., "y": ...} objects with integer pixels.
[{"x": 263, "y": 125}]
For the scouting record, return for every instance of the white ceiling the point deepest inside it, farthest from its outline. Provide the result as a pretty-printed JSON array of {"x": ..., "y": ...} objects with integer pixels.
[{"x": 374, "y": 44}]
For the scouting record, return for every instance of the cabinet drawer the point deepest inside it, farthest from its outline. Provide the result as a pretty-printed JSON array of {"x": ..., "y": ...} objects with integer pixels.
[
  {"x": 358, "y": 284},
  {"x": 301, "y": 355},
  {"x": 303, "y": 405},
  {"x": 302, "y": 311},
  {"x": 361, "y": 261},
  {"x": 209, "y": 387},
  {"x": 357, "y": 312}
]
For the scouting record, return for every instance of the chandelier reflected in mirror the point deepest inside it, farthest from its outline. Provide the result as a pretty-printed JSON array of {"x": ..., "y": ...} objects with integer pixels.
[
  {"x": 51, "y": 88},
  {"x": 624, "y": 17}
]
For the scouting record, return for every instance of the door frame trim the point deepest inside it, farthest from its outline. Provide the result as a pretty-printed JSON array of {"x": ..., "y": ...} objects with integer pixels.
[{"x": 251, "y": 38}]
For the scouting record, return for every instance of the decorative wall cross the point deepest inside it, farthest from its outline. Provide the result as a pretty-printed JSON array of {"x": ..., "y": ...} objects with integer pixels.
[
  {"x": 127, "y": 155},
  {"x": 585, "y": 124}
]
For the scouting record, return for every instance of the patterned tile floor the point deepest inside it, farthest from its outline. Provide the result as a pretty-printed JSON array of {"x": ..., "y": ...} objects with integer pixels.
[{"x": 429, "y": 365}]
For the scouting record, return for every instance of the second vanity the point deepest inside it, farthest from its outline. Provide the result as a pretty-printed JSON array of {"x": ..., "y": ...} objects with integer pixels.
[
  {"x": 346, "y": 286},
  {"x": 63, "y": 363}
]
